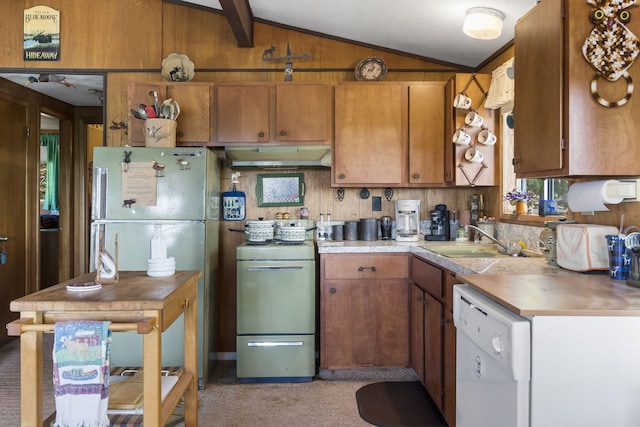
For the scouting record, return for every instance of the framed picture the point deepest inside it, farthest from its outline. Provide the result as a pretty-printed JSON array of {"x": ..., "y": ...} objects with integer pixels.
[{"x": 284, "y": 189}]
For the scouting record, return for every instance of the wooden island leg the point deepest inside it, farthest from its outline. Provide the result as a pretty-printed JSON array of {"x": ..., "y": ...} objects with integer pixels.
[
  {"x": 151, "y": 371},
  {"x": 191, "y": 362},
  {"x": 31, "y": 374}
]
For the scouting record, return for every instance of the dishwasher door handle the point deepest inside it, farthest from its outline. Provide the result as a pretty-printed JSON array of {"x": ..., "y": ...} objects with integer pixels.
[
  {"x": 275, "y": 268},
  {"x": 275, "y": 343}
]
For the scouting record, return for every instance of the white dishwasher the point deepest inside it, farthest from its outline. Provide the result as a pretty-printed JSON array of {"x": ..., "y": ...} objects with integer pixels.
[{"x": 493, "y": 360}]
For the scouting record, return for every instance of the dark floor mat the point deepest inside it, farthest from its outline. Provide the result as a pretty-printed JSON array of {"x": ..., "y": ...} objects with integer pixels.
[{"x": 398, "y": 404}]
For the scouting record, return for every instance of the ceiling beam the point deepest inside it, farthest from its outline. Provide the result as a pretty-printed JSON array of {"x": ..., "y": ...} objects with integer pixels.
[{"x": 240, "y": 18}]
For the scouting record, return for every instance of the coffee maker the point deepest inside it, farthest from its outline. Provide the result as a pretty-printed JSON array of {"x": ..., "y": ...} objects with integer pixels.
[
  {"x": 407, "y": 220},
  {"x": 439, "y": 224}
]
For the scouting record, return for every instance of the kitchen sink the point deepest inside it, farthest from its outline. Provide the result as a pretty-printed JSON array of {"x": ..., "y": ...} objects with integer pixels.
[{"x": 473, "y": 251}]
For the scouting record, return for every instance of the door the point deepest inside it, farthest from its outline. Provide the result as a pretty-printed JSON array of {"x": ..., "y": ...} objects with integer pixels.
[{"x": 13, "y": 209}]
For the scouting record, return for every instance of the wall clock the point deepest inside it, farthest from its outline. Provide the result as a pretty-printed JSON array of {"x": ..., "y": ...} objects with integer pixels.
[{"x": 371, "y": 69}]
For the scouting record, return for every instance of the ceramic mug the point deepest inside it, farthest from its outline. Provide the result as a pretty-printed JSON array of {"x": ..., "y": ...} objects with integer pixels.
[
  {"x": 486, "y": 137},
  {"x": 473, "y": 155},
  {"x": 462, "y": 101},
  {"x": 461, "y": 137},
  {"x": 473, "y": 119}
]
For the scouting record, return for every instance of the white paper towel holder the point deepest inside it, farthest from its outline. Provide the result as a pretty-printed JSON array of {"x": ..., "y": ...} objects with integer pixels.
[{"x": 624, "y": 189}]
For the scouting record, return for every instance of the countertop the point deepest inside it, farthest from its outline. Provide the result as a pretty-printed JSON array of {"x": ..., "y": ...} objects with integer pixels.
[{"x": 526, "y": 286}]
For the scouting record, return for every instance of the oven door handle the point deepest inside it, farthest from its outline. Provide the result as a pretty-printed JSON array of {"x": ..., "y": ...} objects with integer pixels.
[
  {"x": 275, "y": 343},
  {"x": 275, "y": 268}
]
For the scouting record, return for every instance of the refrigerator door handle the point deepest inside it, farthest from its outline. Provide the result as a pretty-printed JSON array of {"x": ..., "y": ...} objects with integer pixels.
[
  {"x": 275, "y": 343},
  {"x": 277, "y": 268},
  {"x": 100, "y": 176}
]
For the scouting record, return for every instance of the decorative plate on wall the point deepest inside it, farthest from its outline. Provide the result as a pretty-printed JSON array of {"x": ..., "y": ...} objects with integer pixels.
[{"x": 177, "y": 67}]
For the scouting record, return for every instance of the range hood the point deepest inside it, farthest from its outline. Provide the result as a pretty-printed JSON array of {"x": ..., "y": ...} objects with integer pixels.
[{"x": 283, "y": 157}]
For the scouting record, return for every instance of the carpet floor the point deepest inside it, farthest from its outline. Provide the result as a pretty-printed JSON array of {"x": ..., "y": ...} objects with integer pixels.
[{"x": 327, "y": 401}]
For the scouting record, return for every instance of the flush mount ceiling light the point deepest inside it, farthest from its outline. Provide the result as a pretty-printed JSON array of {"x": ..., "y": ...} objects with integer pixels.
[{"x": 483, "y": 23}]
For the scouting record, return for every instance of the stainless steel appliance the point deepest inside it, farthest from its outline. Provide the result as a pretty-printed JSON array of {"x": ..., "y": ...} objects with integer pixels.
[
  {"x": 493, "y": 362},
  {"x": 182, "y": 199},
  {"x": 439, "y": 224},
  {"x": 276, "y": 318},
  {"x": 407, "y": 220}
]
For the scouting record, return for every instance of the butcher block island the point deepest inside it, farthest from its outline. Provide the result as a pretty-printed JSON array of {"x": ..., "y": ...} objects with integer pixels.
[{"x": 138, "y": 303}]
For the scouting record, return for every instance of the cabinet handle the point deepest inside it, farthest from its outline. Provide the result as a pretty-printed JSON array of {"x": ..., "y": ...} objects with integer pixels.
[
  {"x": 261, "y": 134},
  {"x": 363, "y": 268},
  {"x": 514, "y": 161},
  {"x": 342, "y": 176},
  {"x": 416, "y": 175},
  {"x": 332, "y": 290},
  {"x": 283, "y": 133},
  {"x": 180, "y": 134}
]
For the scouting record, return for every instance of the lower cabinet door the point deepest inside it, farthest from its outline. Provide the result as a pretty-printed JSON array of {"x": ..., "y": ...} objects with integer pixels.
[{"x": 275, "y": 356}]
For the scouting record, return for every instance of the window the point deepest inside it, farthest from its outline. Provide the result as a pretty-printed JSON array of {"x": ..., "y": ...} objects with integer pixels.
[{"x": 539, "y": 189}]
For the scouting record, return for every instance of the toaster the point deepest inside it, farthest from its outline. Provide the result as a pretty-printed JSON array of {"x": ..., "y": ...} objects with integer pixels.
[{"x": 583, "y": 247}]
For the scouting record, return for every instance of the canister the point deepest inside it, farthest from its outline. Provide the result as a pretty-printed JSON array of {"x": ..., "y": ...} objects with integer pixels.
[
  {"x": 368, "y": 229},
  {"x": 338, "y": 231},
  {"x": 351, "y": 230}
]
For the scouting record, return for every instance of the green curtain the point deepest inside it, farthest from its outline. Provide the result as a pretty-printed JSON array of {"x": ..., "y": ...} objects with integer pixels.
[{"x": 51, "y": 199}]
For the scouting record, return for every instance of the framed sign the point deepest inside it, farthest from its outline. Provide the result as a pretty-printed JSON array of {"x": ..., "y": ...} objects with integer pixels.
[
  {"x": 285, "y": 189},
  {"x": 41, "y": 40}
]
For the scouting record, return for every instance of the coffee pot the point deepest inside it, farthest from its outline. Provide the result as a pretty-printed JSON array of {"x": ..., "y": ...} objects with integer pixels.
[{"x": 407, "y": 220}]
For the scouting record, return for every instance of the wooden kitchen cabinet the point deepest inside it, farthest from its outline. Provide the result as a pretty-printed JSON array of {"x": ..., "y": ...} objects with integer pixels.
[
  {"x": 427, "y": 132},
  {"x": 364, "y": 311},
  {"x": 243, "y": 113},
  {"x": 560, "y": 129},
  {"x": 138, "y": 93},
  {"x": 194, "y": 122},
  {"x": 370, "y": 145},
  {"x": 433, "y": 337},
  {"x": 275, "y": 113},
  {"x": 390, "y": 134},
  {"x": 303, "y": 112}
]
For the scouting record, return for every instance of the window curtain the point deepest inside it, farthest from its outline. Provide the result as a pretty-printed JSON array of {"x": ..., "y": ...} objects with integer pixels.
[
  {"x": 502, "y": 87},
  {"x": 51, "y": 196}
]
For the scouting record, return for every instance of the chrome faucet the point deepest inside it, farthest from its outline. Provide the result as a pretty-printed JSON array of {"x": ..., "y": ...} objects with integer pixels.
[{"x": 509, "y": 249}]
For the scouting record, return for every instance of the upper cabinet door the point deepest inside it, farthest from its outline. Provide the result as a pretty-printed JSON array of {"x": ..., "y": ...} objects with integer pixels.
[
  {"x": 370, "y": 138},
  {"x": 426, "y": 133},
  {"x": 243, "y": 113},
  {"x": 194, "y": 121},
  {"x": 303, "y": 112},
  {"x": 138, "y": 93},
  {"x": 538, "y": 111}
]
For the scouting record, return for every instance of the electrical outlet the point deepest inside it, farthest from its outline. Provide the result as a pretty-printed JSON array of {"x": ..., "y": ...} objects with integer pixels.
[{"x": 376, "y": 203}]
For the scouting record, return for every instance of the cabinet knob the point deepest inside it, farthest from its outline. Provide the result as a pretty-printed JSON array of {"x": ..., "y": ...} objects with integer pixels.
[
  {"x": 514, "y": 161},
  {"x": 180, "y": 134},
  {"x": 416, "y": 175},
  {"x": 332, "y": 290},
  {"x": 342, "y": 176},
  {"x": 261, "y": 134},
  {"x": 283, "y": 133}
]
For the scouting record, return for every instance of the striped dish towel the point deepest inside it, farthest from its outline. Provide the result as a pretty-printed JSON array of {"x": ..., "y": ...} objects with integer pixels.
[{"x": 81, "y": 373}]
